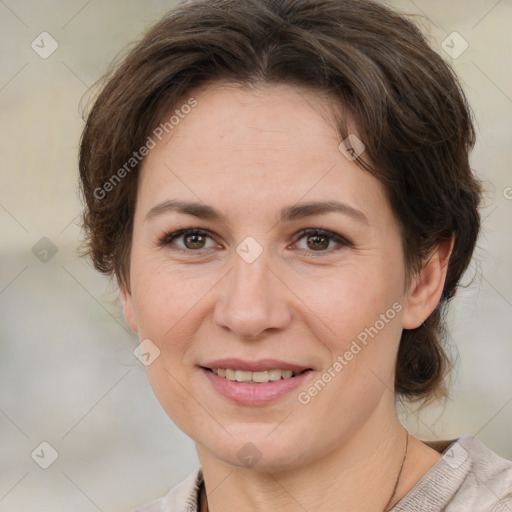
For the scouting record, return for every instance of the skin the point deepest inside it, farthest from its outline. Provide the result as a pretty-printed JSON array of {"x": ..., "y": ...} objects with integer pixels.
[{"x": 249, "y": 153}]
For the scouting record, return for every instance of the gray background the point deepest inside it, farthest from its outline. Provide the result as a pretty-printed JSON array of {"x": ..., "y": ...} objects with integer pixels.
[{"x": 68, "y": 375}]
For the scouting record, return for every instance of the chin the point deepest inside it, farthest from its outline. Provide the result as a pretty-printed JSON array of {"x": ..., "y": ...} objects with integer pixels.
[{"x": 258, "y": 448}]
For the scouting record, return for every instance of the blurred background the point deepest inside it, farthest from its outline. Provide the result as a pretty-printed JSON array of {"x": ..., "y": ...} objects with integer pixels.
[{"x": 68, "y": 376}]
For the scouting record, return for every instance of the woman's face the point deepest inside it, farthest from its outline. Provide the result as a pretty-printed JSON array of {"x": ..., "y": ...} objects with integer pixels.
[{"x": 294, "y": 263}]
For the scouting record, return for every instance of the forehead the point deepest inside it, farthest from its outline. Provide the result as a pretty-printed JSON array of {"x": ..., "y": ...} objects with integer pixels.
[{"x": 264, "y": 146}]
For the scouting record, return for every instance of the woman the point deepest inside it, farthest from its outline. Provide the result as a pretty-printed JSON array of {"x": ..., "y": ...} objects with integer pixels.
[{"x": 282, "y": 190}]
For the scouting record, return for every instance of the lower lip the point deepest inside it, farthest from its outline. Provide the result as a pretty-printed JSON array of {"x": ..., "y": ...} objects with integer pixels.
[{"x": 254, "y": 394}]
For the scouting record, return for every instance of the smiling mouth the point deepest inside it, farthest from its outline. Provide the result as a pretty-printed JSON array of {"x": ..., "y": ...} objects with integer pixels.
[{"x": 261, "y": 377}]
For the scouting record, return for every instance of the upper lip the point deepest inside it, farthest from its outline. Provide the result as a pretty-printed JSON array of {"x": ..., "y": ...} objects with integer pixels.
[{"x": 259, "y": 365}]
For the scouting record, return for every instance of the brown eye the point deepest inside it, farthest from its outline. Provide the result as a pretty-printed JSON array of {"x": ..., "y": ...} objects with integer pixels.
[
  {"x": 320, "y": 241},
  {"x": 194, "y": 241},
  {"x": 317, "y": 242}
]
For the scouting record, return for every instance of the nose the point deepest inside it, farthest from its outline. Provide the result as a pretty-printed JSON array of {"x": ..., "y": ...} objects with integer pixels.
[{"x": 252, "y": 300}]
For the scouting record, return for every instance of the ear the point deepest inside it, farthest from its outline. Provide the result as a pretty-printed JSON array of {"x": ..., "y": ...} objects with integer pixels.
[
  {"x": 426, "y": 289},
  {"x": 128, "y": 309}
]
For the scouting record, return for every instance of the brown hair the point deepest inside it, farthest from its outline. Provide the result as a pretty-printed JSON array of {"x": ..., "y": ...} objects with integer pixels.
[{"x": 405, "y": 102}]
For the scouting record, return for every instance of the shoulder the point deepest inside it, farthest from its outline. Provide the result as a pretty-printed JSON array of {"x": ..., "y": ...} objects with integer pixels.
[
  {"x": 469, "y": 476},
  {"x": 182, "y": 498},
  {"x": 488, "y": 481}
]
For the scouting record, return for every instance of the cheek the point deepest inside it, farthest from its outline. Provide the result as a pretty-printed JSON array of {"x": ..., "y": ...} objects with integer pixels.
[
  {"x": 348, "y": 300},
  {"x": 360, "y": 312},
  {"x": 166, "y": 299},
  {"x": 171, "y": 306},
  {"x": 171, "y": 388}
]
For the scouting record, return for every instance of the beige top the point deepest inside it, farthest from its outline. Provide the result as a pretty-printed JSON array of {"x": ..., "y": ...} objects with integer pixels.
[{"x": 468, "y": 478}]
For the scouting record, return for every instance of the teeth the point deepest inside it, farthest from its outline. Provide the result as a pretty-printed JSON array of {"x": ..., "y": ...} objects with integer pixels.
[
  {"x": 274, "y": 374},
  {"x": 260, "y": 376},
  {"x": 242, "y": 376},
  {"x": 253, "y": 377}
]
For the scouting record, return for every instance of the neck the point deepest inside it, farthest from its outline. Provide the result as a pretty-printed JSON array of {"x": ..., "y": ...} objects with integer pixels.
[{"x": 359, "y": 474}]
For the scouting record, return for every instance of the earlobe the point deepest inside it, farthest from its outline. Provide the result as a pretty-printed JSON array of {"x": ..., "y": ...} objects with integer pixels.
[
  {"x": 128, "y": 309},
  {"x": 426, "y": 289}
]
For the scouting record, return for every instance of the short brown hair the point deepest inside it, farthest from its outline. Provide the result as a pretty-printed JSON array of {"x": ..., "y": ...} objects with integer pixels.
[{"x": 404, "y": 100}]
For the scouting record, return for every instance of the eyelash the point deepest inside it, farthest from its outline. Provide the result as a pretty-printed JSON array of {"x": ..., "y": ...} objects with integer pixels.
[{"x": 331, "y": 236}]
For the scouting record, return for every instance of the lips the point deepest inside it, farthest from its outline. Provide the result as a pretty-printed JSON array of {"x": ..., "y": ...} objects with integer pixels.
[{"x": 254, "y": 383}]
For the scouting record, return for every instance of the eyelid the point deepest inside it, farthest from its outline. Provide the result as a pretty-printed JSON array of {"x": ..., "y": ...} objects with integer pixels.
[
  {"x": 168, "y": 238},
  {"x": 331, "y": 235}
]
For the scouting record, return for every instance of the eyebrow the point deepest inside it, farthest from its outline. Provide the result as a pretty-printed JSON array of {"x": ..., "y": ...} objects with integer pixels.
[{"x": 294, "y": 212}]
